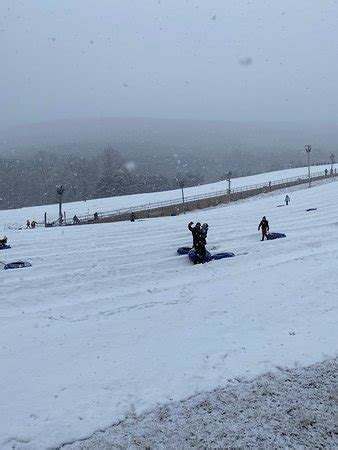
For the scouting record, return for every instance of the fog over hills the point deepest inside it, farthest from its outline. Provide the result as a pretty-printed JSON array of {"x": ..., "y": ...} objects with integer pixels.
[
  {"x": 129, "y": 135},
  {"x": 116, "y": 156}
]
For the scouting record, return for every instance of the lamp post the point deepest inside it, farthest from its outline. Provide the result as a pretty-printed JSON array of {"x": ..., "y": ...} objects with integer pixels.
[
  {"x": 228, "y": 178},
  {"x": 60, "y": 191},
  {"x": 182, "y": 188},
  {"x": 332, "y": 162},
  {"x": 308, "y": 151}
]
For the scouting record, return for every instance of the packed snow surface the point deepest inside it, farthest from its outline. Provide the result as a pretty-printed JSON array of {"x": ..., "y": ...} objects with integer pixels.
[
  {"x": 18, "y": 217},
  {"x": 110, "y": 321}
]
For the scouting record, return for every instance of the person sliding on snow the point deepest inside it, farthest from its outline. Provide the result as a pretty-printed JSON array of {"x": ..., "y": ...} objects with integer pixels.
[
  {"x": 287, "y": 200},
  {"x": 3, "y": 241},
  {"x": 264, "y": 224},
  {"x": 195, "y": 232}
]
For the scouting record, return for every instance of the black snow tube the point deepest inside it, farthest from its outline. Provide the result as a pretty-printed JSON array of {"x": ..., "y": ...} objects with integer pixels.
[
  {"x": 183, "y": 250},
  {"x": 195, "y": 258},
  {"x": 222, "y": 255},
  {"x": 17, "y": 265},
  {"x": 4, "y": 247},
  {"x": 272, "y": 236}
]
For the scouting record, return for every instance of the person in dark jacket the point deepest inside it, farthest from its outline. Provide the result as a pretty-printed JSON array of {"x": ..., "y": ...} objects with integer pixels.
[
  {"x": 264, "y": 225},
  {"x": 204, "y": 230},
  {"x": 195, "y": 232},
  {"x": 202, "y": 241},
  {"x": 3, "y": 241},
  {"x": 96, "y": 216}
]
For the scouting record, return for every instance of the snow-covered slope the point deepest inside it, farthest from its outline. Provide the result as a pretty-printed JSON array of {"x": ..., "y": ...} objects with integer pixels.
[
  {"x": 109, "y": 320},
  {"x": 19, "y": 216}
]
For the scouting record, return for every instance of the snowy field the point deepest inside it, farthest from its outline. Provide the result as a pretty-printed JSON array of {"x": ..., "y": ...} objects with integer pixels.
[
  {"x": 110, "y": 322},
  {"x": 19, "y": 216}
]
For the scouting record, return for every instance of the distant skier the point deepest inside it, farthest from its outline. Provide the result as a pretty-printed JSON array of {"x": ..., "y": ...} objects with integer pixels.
[
  {"x": 33, "y": 224},
  {"x": 132, "y": 217},
  {"x": 28, "y": 224},
  {"x": 287, "y": 200},
  {"x": 195, "y": 232},
  {"x": 264, "y": 225},
  {"x": 96, "y": 216},
  {"x": 3, "y": 241}
]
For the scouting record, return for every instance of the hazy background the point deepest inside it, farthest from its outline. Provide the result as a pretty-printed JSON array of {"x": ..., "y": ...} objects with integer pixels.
[{"x": 166, "y": 81}]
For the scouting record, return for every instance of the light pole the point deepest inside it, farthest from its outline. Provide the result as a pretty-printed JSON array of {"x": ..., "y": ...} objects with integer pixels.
[
  {"x": 308, "y": 151},
  {"x": 332, "y": 162},
  {"x": 60, "y": 190},
  {"x": 228, "y": 178},
  {"x": 182, "y": 188}
]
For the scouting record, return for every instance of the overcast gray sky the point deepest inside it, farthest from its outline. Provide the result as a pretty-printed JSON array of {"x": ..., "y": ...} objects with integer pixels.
[{"x": 252, "y": 60}]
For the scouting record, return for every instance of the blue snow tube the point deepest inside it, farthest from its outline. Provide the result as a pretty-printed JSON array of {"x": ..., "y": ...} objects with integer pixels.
[
  {"x": 183, "y": 250},
  {"x": 17, "y": 265},
  {"x": 4, "y": 247},
  {"x": 222, "y": 255},
  {"x": 272, "y": 236},
  {"x": 195, "y": 258}
]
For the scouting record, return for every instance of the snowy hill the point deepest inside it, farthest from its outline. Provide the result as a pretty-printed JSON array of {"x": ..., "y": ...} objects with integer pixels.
[
  {"x": 110, "y": 321},
  {"x": 19, "y": 216}
]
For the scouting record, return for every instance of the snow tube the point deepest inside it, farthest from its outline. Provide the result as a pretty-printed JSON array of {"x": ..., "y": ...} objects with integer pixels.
[
  {"x": 183, "y": 250},
  {"x": 222, "y": 255},
  {"x": 3, "y": 247},
  {"x": 272, "y": 236},
  {"x": 197, "y": 259},
  {"x": 17, "y": 265}
]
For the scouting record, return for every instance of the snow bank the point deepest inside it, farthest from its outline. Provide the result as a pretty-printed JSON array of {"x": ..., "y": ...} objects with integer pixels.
[{"x": 288, "y": 409}]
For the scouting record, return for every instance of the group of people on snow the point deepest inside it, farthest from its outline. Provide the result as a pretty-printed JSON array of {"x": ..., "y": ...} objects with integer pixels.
[
  {"x": 199, "y": 236},
  {"x": 76, "y": 220},
  {"x": 31, "y": 224}
]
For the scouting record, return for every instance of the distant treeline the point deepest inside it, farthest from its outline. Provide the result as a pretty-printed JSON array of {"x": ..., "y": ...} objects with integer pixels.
[
  {"x": 27, "y": 181},
  {"x": 32, "y": 181}
]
